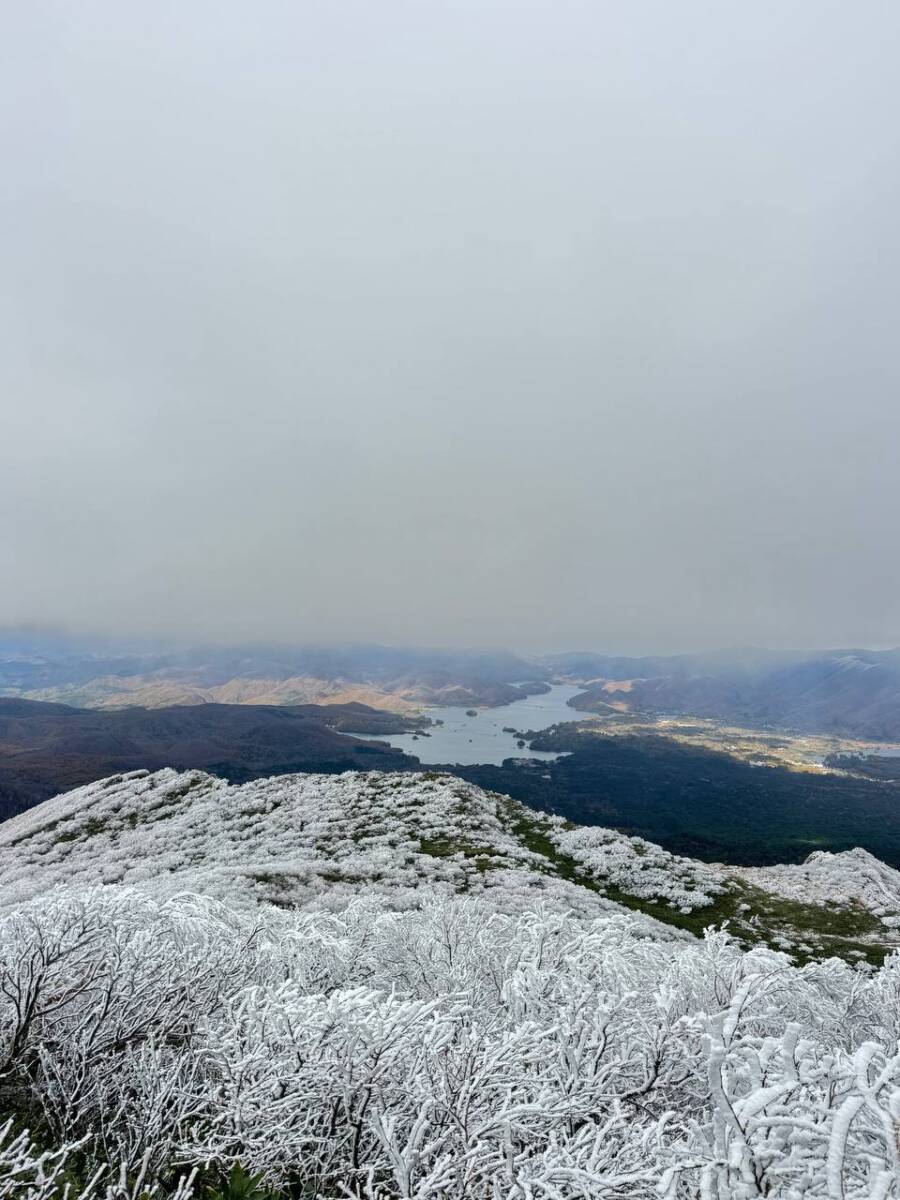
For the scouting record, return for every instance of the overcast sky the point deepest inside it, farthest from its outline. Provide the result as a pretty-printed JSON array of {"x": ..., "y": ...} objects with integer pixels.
[{"x": 544, "y": 324}]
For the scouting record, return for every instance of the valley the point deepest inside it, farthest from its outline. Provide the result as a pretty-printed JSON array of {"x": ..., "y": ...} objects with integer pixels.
[
  {"x": 701, "y": 801},
  {"x": 463, "y": 736},
  {"x": 814, "y": 753},
  {"x": 697, "y": 787}
]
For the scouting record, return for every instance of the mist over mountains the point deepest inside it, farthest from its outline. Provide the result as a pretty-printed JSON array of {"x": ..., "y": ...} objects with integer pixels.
[
  {"x": 461, "y": 440},
  {"x": 851, "y": 692},
  {"x": 119, "y": 674},
  {"x": 251, "y": 712}
]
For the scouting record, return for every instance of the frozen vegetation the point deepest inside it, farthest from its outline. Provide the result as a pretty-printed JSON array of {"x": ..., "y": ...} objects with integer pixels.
[
  {"x": 641, "y": 868},
  {"x": 402, "y": 988},
  {"x": 292, "y": 840},
  {"x": 831, "y": 878}
]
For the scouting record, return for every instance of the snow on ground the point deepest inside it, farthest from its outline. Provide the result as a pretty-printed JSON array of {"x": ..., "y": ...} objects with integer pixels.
[
  {"x": 289, "y": 840},
  {"x": 302, "y": 839},
  {"x": 640, "y": 868},
  {"x": 368, "y": 987},
  {"x": 647, "y": 871},
  {"x": 826, "y": 878},
  {"x": 446, "y": 1052}
]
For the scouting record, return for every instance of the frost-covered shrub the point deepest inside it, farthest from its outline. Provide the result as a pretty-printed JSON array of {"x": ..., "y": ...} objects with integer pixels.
[
  {"x": 447, "y": 1052},
  {"x": 29, "y": 1173},
  {"x": 640, "y": 868},
  {"x": 290, "y": 840}
]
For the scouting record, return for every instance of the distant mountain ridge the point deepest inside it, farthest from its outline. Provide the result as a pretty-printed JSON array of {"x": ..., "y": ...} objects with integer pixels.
[
  {"x": 148, "y": 691},
  {"x": 397, "y": 678},
  {"x": 850, "y": 692}
]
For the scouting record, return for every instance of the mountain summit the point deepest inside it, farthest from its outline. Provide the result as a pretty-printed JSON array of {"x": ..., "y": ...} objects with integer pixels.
[{"x": 307, "y": 840}]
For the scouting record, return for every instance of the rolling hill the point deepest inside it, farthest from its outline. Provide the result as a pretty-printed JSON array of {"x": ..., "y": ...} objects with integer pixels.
[
  {"x": 293, "y": 839},
  {"x": 48, "y": 748}
]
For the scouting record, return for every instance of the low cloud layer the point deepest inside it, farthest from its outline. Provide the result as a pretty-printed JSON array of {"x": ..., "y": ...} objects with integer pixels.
[{"x": 531, "y": 324}]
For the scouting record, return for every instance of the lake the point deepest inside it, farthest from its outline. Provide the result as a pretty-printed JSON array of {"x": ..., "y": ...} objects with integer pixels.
[{"x": 465, "y": 740}]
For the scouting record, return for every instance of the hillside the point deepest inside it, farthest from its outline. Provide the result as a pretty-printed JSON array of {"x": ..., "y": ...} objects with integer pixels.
[
  {"x": 301, "y": 840},
  {"x": 401, "y": 679},
  {"x": 289, "y": 840},
  {"x": 400, "y": 987},
  {"x": 694, "y": 801},
  {"x": 49, "y": 748},
  {"x": 700, "y": 802},
  {"x": 851, "y": 692},
  {"x": 152, "y": 691}
]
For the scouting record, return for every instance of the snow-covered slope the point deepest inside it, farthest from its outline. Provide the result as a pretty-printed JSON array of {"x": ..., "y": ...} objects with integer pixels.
[
  {"x": 289, "y": 840},
  {"x": 301, "y": 840},
  {"x": 826, "y": 878},
  {"x": 400, "y": 987}
]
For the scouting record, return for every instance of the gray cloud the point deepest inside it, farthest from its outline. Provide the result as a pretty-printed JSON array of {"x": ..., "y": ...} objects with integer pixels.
[{"x": 544, "y": 324}]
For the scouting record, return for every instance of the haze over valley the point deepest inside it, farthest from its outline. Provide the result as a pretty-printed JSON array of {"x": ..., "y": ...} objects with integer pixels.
[
  {"x": 450, "y": 601},
  {"x": 749, "y": 757}
]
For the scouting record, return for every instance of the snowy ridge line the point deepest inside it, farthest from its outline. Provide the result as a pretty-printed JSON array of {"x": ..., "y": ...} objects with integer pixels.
[
  {"x": 299, "y": 839},
  {"x": 290, "y": 840},
  {"x": 46, "y": 814},
  {"x": 836, "y": 878},
  {"x": 642, "y": 868}
]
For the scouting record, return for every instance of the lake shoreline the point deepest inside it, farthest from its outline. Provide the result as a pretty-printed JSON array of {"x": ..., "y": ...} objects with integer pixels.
[{"x": 486, "y": 736}]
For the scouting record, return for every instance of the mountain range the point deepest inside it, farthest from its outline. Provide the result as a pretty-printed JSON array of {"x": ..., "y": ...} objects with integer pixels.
[
  {"x": 117, "y": 675},
  {"x": 854, "y": 693}
]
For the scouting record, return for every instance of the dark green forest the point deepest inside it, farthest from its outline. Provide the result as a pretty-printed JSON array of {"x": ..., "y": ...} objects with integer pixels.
[{"x": 701, "y": 803}]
